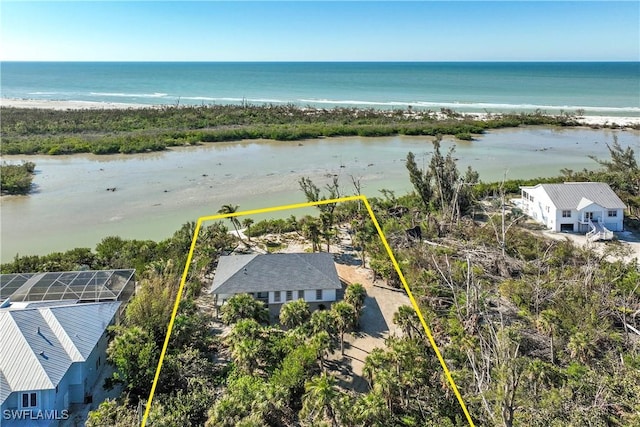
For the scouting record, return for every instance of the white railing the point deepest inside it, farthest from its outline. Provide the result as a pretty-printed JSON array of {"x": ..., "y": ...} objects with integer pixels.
[{"x": 598, "y": 232}]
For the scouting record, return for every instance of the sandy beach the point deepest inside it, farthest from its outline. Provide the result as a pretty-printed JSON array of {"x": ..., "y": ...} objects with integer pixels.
[
  {"x": 587, "y": 120},
  {"x": 66, "y": 105},
  {"x": 79, "y": 105}
]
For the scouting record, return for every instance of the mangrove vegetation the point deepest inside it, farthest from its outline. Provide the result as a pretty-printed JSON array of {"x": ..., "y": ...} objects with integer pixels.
[
  {"x": 108, "y": 131},
  {"x": 535, "y": 331},
  {"x": 16, "y": 179}
]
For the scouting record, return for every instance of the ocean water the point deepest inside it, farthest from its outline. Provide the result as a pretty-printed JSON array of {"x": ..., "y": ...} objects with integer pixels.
[{"x": 598, "y": 88}]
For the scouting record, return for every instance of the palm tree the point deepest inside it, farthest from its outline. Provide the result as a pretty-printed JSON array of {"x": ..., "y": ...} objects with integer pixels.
[
  {"x": 408, "y": 320},
  {"x": 581, "y": 346},
  {"x": 326, "y": 220},
  {"x": 244, "y": 306},
  {"x": 538, "y": 372},
  {"x": 371, "y": 409},
  {"x": 346, "y": 318},
  {"x": 323, "y": 343},
  {"x": 245, "y": 344},
  {"x": 294, "y": 313},
  {"x": 374, "y": 362},
  {"x": 247, "y": 223},
  {"x": 387, "y": 385},
  {"x": 355, "y": 295},
  {"x": 311, "y": 230},
  {"x": 323, "y": 320},
  {"x": 547, "y": 323},
  {"x": 320, "y": 398},
  {"x": 230, "y": 209},
  {"x": 245, "y": 354}
]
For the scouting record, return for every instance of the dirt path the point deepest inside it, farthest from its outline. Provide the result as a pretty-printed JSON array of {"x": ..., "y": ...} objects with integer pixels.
[
  {"x": 376, "y": 324},
  {"x": 376, "y": 320},
  {"x": 627, "y": 249}
]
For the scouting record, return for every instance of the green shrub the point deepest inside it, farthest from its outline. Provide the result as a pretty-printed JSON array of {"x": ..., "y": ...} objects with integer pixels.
[{"x": 16, "y": 179}]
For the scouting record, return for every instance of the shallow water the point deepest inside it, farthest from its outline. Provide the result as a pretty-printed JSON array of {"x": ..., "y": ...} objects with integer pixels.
[{"x": 157, "y": 192}]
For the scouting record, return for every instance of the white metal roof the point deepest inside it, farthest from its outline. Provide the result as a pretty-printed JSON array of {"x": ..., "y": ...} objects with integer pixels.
[
  {"x": 570, "y": 194},
  {"x": 5, "y": 391},
  {"x": 40, "y": 344}
]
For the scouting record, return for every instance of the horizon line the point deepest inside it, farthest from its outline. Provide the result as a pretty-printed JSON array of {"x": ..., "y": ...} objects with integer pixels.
[{"x": 324, "y": 61}]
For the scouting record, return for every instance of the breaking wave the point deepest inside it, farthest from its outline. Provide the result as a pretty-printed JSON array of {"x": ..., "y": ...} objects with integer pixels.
[{"x": 130, "y": 95}]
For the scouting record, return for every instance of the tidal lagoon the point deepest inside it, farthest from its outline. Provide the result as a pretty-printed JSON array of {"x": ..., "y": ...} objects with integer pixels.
[{"x": 157, "y": 192}]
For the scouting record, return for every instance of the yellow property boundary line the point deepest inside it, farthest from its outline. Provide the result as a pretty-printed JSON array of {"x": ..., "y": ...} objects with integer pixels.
[{"x": 361, "y": 198}]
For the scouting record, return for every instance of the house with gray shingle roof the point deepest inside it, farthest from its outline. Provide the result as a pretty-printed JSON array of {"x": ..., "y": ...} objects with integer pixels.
[
  {"x": 277, "y": 278},
  {"x": 51, "y": 355},
  {"x": 591, "y": 207}
]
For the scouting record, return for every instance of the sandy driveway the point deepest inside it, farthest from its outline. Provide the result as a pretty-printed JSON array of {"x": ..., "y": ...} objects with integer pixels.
[
  {"x": 376, "y": 324},
  {"x": 629, "y": 244},
  {"x": 376, "y": 319}
]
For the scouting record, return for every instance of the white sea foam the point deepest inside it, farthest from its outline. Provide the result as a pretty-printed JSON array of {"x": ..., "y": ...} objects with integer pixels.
[
  {"x": 463, "y": 106},
  {"x": 130, "y": 95},
  {"x": 474, "y": 105},
  {"x": 228, "y": 99},
  {"x": 455, "y": 105}
]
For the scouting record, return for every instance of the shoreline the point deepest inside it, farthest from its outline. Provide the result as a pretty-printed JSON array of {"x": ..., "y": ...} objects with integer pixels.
[
  {"x": 587, "y": 120},
  {"x": 160, "y": 191}
]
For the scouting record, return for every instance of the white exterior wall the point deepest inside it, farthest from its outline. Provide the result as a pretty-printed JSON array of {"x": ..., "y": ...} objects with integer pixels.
[
  {"x": 89, "y": 372},
  {"x": 78, "y": 380},
  {"x": 573, "y": 219},
  {"x": 47, "y": 402},
  {"x": 309, "y": 296},
  {"x": 615, "y": 223},
  {"x": 328, "y": 295},
  {"x": 599, "y": 213},
  {"x": 541, "y": 209},
  {"x": 272, "y": 298},
  {"x": 553, "y": 219}
]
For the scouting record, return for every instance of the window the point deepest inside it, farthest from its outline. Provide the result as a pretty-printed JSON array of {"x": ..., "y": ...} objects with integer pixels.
[
  {"x": 300, "y": 294},
  {"x": 612, "y": 214},
  {"x": 289, "y": 295},
  {"x": 29, "y": 400},
  {"x": 566, "y": 214},
  {"x": 318, "y": 294},
  {"x": 276, "y": 296}
]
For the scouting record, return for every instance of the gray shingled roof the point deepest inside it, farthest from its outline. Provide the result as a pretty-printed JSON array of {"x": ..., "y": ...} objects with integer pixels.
[
  {"x": 275, "y": 272},
  {"x": 39, "y": 344},
  {"x": 570, "y": 194}
]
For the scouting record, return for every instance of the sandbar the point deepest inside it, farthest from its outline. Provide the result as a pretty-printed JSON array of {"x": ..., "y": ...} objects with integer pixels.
[{"x": 93, "y": 105}]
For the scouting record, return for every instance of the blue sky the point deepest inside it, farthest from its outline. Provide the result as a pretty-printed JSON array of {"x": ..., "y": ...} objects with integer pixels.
[{"x": 319, "y": 31}]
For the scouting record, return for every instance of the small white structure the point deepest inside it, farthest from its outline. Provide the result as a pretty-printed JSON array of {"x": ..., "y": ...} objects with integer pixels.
[{"x": 587, "y": 207}]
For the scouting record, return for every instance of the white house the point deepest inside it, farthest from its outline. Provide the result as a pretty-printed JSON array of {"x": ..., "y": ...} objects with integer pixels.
[
  {"x": 51, "y": 354},
  {"x": 587, "y": 207},
  {"x": 53, "y": 340},
  {"x": 277, "y": 278}
]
